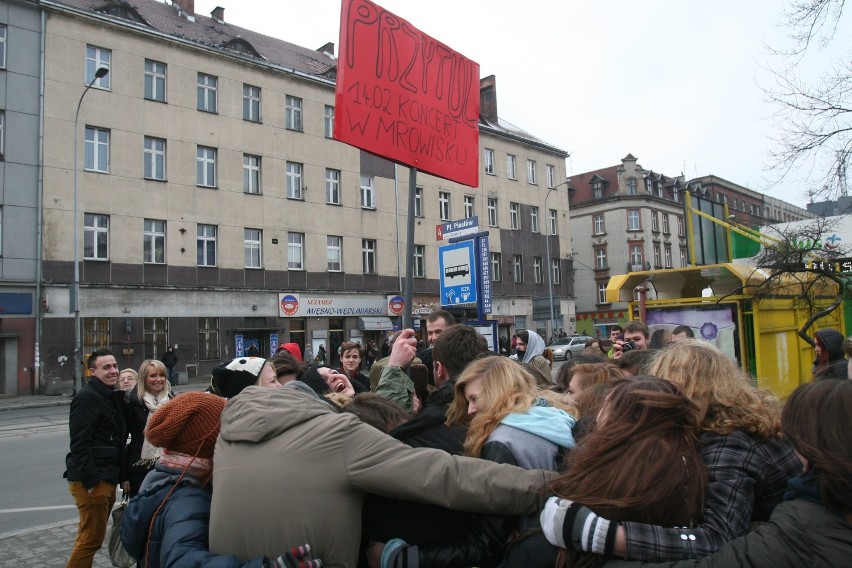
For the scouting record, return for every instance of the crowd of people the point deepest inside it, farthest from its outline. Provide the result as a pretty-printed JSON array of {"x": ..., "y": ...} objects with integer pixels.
[{"x": 454, "y": 456}]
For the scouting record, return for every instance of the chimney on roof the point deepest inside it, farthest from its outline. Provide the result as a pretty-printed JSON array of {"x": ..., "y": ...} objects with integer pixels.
[
  {"x": 187, "y": 6},
  {"x": 488, "y": 98},
  {"x": 218, "y": 14},
  {"x": 327, "y": 49}
]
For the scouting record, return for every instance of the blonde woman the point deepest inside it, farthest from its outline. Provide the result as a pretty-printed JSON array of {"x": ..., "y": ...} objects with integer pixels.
[
  {"x": 748, "y": 463},
  {"x": 152, "y": 391},
  {"x": 510, "y": 420}
]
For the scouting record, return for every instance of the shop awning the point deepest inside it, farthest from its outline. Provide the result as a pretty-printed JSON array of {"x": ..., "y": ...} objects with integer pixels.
[{"x": 375, "y": 324}]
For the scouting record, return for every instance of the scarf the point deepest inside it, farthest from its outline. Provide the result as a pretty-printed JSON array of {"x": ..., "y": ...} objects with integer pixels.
[
  {"x": 151, "y": 454},
  {"x": 197, "y": 467},
  {"x": 553, "y": 424}
]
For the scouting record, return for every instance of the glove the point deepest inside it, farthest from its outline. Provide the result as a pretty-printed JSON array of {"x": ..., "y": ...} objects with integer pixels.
[
  {"x": 298, "y": 557},
  {"x": 569, "y": 525},
  {"x": 398, "y": 554}
]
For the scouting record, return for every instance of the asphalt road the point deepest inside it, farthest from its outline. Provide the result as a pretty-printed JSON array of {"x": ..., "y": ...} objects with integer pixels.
[{"x": 33, "y": 443}]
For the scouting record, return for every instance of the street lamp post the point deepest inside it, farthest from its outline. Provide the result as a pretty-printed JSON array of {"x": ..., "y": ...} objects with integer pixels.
[
  {"x": 75, "y": 288},
  {"x": 549, "y": 267}
]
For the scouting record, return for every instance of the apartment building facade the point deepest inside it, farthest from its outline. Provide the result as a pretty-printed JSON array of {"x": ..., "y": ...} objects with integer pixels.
[
  {"x": 624, "y": 218},
  {"x": 218, "y": 215},
  {"x": 20, "y": 38}
]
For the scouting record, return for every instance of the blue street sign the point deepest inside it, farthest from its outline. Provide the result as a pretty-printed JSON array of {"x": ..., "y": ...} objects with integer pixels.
[{"x": 457, "y": 264}]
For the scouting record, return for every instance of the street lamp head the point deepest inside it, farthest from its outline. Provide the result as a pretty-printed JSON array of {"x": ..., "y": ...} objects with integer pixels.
[{"x": 101, "y": 72}]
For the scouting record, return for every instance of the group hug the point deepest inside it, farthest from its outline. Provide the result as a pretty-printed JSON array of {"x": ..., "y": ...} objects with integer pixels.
[{"x": 684, "y": 463}]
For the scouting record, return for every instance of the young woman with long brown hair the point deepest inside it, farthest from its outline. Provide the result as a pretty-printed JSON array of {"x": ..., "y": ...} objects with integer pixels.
[
  {"x": 813, "y": 526},
  {"x": 740, "y": 442},
  {"x": 639, "y": 464}
]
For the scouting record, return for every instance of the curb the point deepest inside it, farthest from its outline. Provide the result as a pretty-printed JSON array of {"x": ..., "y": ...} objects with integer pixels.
[
  {"x": 65, "y": 401},
  {"x": 39, "y": 528}
]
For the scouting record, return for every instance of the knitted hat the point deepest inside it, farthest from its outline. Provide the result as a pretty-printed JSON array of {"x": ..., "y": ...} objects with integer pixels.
[
  {"x": 231, "y": 378},
  {"x": 188, "y": 424},
  {"x": 293, "y": 348}
]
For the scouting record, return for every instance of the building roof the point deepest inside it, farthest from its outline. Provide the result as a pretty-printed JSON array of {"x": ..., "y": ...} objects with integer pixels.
[{"x": 208, "y": 32}]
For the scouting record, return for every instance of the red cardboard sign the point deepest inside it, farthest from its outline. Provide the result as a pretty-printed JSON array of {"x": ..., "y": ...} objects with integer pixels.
[{"x": 405, "y": 96}]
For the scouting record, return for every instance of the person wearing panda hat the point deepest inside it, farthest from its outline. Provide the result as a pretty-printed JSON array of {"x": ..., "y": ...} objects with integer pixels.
[{"x": 229, "y": 379}]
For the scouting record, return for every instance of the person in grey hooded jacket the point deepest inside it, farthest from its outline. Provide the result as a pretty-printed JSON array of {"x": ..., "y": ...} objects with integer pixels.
[{"x": 329, "y": 461}]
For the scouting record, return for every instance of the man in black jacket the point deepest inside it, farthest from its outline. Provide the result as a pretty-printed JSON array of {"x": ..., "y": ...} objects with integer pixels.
[{"x": 96, "y": 462}]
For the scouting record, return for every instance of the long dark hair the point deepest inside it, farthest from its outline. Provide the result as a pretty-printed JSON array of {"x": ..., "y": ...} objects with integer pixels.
[{"x": 640, "y": 463}]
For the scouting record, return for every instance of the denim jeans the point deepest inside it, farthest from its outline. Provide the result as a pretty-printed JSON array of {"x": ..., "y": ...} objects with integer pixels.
[{"x": 94, "y": 509}]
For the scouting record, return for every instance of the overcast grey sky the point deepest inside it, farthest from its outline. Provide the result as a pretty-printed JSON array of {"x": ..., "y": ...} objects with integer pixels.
[{"x": 674, "y": 82}]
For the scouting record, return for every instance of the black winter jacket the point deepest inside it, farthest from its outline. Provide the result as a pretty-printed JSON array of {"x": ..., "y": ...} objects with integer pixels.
[{"x": 98, "y": 436}]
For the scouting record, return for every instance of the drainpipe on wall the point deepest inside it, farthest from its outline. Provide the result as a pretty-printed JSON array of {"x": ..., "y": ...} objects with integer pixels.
[{"x": 37, "y": 364}]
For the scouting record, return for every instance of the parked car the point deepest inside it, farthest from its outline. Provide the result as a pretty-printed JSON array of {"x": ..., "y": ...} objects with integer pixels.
[{"x": 566, "y": 347}]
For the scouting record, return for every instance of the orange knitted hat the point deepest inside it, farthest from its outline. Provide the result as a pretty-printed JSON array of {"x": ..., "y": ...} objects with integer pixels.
[{"x": 188, "y": 424}]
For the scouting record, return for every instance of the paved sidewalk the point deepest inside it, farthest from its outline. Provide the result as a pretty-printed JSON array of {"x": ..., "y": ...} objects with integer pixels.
[
  {"x": 43, "y": 400},
  {"x": 47, "y": 545}
]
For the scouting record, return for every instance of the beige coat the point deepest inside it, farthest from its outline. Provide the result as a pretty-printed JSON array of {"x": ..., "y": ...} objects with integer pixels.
[{"x": 289, "y": 470}]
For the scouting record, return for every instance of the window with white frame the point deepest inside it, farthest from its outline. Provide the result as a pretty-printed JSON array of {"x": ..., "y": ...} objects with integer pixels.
[
  {"x": 294, "y": 180},
  {"x": 517, "y": 268},
  {"x": 444, "y": 205},
  {"x": 550, "y": 172},
  {"x": 328, "y": 121},
  {"x": 676, "y": 194},
  {"x": 418, "y": 201},
  {"x": 334, "y": 253},
  {"x": 511, "y": 166},
  {"x": 368, "y": 193},
  {"x": 637, "y": 258},
  {"x": 155, "y": 336},
  {"x": 205, "y": 241},
  {"x": 531, "y": 172},
  {"x": 293, "y": 113},
  {"x": 657, "y": 256},
  {"x": 683, "y": 262},
  {"x": 3, "y": 47},
  {"x": 633, "y": 223},
  {"x": 207, "y": 88},
  {"x": 631, "y": 186},
  {"x": 1, "y": 230},
  {"x": 97, "y": 58},
  {"x": 95, "y": 237},
  {"x": 419, "y": 261},
  {"x": 154, "y": 242},
  {"x": 252, "y": 239},
  {"x": 251, "y": 103},
  {"x": 665, "y": 223},
  {"x": 332, "y": 186},
  {"x": 534, "y": 219},
  {"x": 468, "y": 206},
  {"x": 368, "y": 256},
  {"x": 655, "y": 225},
  {"x": 597, "y": 189},
  {"x": 489, "y": 161},
  {"x": 205, "y": 166},
  {"x": 2, "y": 134},
  {"x": 492, "y": 212},
  {"x": 537, "y": 270},
  {"x": 599, "y": 227},
  {"x": 496, "y": 267},
  {"x": 155, "y": 81},
  {"x": 556, "y": 270},
  {"x": 514, "y": 216},
  {"x": 680, "y": 229},
  {"x": 600, "y": 258},
  {"x": 295, "y": 251},
  {"x": 208, "y": 339},
  {"x": 155, "y": 158},
  {"x": 251, "y": 174},
  {"x": 554, "y": 227},
  {"x": 667, "y": 255},
  {"x": 602, "y": 292},
  {"x": 97, "y": 149},
  {"x": 660, "y": 188}
]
